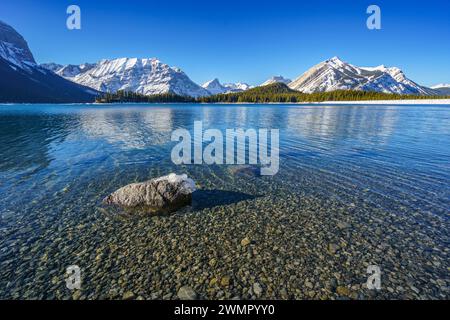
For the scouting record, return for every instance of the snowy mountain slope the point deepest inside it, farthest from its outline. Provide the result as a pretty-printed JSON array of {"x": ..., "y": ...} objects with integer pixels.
[
  {"x": 335, "y": 74},
  {"x": 68, "y": 71},
  {"x": 442, "y": 88},
  {"x": 22, "y": 80},
  {"x": 238, "y": 86},
  {"x": 276, "y": 79},
  {"x": 215, "y": 87},
  {"x": 54, "y": 67},
  {"x": 145, "y": 76}
]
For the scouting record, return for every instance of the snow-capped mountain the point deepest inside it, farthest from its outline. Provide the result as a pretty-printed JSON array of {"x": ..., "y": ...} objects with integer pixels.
[
  {"x": 238, "y": 86},
  {"x": 54, "y": 67},
  {"x": 442, "y": 88},
  {"x": 335, "y": 74},
  {"x": 14, "y": 48},
  {"x": 145, "y": 76},
  {"x": 276, "y": 79},
  {"x": 215, "y": 87},
  {"x": 68, "y": 71},
  {"x": 22, "y": 80}
]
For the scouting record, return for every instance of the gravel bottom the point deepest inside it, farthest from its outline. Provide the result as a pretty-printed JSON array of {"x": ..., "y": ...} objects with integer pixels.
[{"x": 244, "y": 237}]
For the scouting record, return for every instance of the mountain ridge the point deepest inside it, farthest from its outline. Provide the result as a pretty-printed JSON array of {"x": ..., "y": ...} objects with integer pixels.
[
  {"x": 215, "y": 87},
  {"x": 140, "y": 75}
]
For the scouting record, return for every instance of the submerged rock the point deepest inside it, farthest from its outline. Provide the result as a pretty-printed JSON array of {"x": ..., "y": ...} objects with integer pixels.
[{"x": 164, "y": 194}]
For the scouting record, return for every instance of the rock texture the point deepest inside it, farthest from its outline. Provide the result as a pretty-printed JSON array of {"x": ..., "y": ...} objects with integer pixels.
[
  {"x": 164, "y": 194},
  {"x": 215, "y": 87}
]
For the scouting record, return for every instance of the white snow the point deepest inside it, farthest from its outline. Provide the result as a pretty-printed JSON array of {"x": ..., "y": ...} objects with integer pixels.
[
  {"x": 335, "y": 74},
  {"x": 215, "y": 87},
  {"x": 145, "y": 76},
  {"x": 276, "y": 79},
  {"x": 238, "y": 86},
  {"x": 441, "y": 85}
]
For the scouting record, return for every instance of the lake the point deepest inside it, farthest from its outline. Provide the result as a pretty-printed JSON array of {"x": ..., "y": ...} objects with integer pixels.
[{"x": 357, "y": 186}]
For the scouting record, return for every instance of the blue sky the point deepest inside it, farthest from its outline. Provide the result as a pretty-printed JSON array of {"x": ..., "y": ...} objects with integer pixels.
[{"x": 244, "y": 40}]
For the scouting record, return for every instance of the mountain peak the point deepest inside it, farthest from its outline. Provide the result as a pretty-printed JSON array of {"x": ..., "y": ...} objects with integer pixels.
[
  {"x": 334, "y": 74},
  {"x": 276, "y": 79},
  {"x": 14, "y": 48},
  {"x": 214, "y": 86},
  {"x": 214, "y": 81},
  {"x": 238, "y": 86},
  {"x": 336, "y": 60},
  {"x": 141, "y": 75}
]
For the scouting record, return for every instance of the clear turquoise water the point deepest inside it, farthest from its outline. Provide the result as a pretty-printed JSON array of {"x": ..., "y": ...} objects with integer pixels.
[{"x": 57, "y": 162}]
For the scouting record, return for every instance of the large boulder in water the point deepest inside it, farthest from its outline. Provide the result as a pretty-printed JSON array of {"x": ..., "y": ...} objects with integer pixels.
[{"x": 164, "y": 194}]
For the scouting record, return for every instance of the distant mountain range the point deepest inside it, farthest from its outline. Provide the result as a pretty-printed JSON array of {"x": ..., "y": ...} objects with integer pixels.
[
  {"x": 276, "y": 79},
  {"x": 333, "y": 74},
  {"x": 22, "y": 80},
  {"x": 144, "y": 76}
]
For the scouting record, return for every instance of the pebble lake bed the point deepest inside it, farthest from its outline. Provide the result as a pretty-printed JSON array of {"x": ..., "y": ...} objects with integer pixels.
[{"x": 357, "y": 186}]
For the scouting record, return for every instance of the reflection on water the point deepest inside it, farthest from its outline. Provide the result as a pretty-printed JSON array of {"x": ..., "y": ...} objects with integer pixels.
[
  {"x": 349, "y": 142},
  {"x": 130, "y": 129},
  {"x": 375, "y": 164},
  {"x": 351, "y": 122}
]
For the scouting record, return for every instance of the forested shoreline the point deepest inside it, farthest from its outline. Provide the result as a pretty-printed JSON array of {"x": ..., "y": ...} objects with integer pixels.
[{"x": 274, "y": 93}]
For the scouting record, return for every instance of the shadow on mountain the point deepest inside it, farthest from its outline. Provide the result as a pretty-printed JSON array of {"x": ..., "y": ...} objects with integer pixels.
[{"x": 205, "y": 199}]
